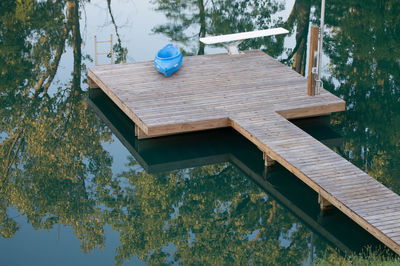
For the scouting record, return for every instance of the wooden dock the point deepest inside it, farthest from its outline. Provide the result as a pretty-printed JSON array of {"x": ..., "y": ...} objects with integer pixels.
[
  {"x": 161, "y": 155},
  {"x": 254, "y": 94}
]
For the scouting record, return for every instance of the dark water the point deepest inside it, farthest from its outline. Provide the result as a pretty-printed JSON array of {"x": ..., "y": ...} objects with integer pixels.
[{"x": 77, "y": 188}]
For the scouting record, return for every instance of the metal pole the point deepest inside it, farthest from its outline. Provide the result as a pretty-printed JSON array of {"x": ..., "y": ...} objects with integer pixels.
[
  {"x": 321, "y": 39},
  {"x": 111, "y": 49},
  {"x": 95, "y": 50}
]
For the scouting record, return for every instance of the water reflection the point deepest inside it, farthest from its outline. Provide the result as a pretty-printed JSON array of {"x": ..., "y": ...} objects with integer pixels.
[
  {"x": 51, "y": 144},
  {"x": 206, "y": 214},
  {"x": 210, "y": 213},
  {"x": 191, "y": 20},
  {"x": 365, "y": 71},
  {"x": 53, "y": 148},
  {"x": 193, "y": 199}
]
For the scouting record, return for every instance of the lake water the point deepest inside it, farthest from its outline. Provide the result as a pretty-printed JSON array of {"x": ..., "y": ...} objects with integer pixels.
[{"x": 77, "y": 188}]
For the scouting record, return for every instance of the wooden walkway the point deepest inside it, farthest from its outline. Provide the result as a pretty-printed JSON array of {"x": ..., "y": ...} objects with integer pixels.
[
  {"x": 160, "y": 155},
  {"x": 254, "y": 94}
]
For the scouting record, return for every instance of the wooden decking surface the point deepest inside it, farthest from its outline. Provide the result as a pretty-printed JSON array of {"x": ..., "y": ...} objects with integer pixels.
[
  {"x": 172, "y": 153},
  {"x": 255, "y": 95}
]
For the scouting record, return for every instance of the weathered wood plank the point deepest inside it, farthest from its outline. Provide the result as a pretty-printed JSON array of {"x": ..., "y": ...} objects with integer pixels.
[{"x": 254, "y": 94}]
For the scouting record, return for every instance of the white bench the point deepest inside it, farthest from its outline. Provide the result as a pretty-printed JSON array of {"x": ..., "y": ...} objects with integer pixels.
[{"x": 231, "y": 41}]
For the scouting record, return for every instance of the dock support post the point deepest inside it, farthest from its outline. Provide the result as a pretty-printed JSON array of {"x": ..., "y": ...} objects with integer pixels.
[
  {"x": 92, "y": 84},
  {"x": 312, "y": 62},
  {"x": 324, "y": 204},
  {"x": 136, "y": 130},
  {"x": 140, "y": 133},
  {"x": 268, "y": 160}
]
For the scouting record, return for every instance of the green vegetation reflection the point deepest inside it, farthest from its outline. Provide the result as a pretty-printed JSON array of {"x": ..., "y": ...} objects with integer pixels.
[
  {"x": 209, "y": 215},
  {"x": 365, "y": 71},
  {"x": 55, "y": 170}
]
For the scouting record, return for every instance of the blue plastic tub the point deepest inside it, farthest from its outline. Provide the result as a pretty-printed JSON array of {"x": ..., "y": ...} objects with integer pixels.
[{"x": 168, "y": 60}]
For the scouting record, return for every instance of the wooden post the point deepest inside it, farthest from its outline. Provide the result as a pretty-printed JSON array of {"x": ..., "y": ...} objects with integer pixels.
[
  {"x": 314, "y": 32},
  {"x": 92, "y": 84},
  {"x": 324, "y": 203},
  {"x": 268, "y": 160},
  {"x": 136, "y": 131},
  {"x": 139, "y": 133}
]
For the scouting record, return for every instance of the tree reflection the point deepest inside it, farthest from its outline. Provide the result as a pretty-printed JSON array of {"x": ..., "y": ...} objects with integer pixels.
[
  {"x": 51, "y": 155},
  {"x": 363, "y": 50},
  {"x": 202, "y": 215},
  {"x": 54, "y": 168},
  {"x": 120, "y": 51},
  {"x": 364, "y": 54},
  {"x": 191, "y": 19},
  {"x": 299, "y": 16}
]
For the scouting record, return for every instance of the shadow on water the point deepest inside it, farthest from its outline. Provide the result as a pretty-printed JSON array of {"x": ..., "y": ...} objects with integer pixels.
[
  {"x": 194, "y": 199},
  {"x": 184, "y": 151}
]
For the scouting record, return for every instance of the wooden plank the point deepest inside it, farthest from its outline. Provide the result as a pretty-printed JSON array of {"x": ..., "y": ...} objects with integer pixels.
[
  {"x": 255, "y": 95},
  {"x": 188, "y": 127},
  {"x": 313, "y": 111}
]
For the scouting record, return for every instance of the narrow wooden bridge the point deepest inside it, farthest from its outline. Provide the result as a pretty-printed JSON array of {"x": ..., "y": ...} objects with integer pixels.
[{"x": 254, "y": 94}]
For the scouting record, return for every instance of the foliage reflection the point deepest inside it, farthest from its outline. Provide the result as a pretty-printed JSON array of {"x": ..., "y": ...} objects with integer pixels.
[{"x": 55, "y": 170}]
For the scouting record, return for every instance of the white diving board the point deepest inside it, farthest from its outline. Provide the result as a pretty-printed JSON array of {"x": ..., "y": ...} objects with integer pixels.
[{"x": 237, "y": 38}]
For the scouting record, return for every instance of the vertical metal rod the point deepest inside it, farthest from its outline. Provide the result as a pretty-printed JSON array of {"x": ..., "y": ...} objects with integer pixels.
[
  {"x": 111, "y": 49},
  {"x": 95, "y": 50},
  {"x": 321, "y": 38}
]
